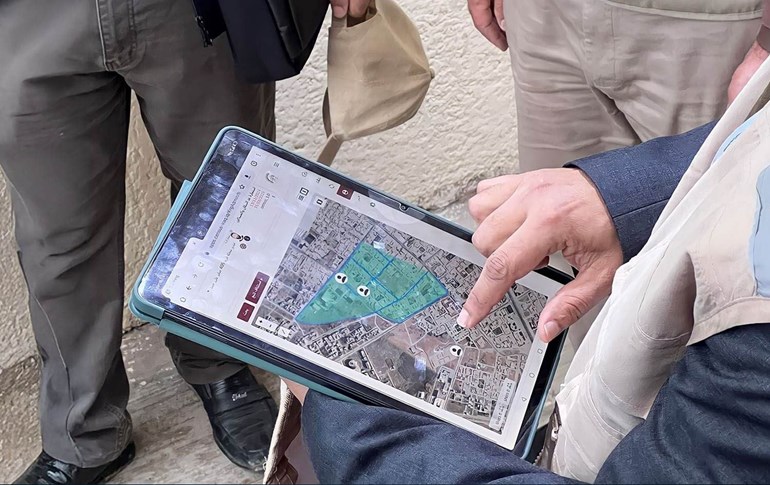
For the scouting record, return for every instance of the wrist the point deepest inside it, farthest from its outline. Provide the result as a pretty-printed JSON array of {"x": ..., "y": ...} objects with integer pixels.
[{"x": 600, "y": 216}]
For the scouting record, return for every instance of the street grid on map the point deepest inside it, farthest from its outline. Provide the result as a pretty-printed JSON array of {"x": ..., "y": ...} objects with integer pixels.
[{"x": 385, "y": 304}]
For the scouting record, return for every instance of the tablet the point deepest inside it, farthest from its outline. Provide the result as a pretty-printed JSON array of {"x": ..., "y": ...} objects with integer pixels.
[{"x": 348, "y": 287}]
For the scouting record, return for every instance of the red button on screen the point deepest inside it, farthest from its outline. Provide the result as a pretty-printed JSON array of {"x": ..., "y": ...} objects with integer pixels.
[
  {"x": 345, "y": 192},
  {"x": 257, "y": 287},
  {"x": 246, "y": 312}
]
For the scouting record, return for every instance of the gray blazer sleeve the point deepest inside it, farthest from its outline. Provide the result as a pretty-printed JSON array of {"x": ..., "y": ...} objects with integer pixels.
[{"x": 637, "y": 182}]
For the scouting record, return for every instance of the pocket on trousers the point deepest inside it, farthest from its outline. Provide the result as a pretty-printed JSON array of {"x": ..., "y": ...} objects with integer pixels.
[{"x": 717, "y": 10}]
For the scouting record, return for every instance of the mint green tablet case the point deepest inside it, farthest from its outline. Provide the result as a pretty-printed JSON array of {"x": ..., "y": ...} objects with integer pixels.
[{"x": 149, "y": 312}]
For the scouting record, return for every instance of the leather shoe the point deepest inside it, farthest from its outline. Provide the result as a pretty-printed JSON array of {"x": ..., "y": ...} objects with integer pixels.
[
  {"x": 242, "y": 415},
  {"x": 49, "y": 470}
]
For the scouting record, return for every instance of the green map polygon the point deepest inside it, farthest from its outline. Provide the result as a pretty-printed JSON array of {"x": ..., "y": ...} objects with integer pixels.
[{"x": 397, "y": 290}]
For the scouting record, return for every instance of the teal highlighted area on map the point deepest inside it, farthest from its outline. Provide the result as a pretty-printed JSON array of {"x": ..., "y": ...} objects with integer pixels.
[{"x": 371, "y": 282}]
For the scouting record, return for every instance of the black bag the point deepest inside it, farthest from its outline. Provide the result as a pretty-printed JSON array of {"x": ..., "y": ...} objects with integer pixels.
[{"x": 269, "y": 39}]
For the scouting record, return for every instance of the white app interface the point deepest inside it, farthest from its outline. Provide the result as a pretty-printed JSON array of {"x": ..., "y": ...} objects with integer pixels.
[{"x": 366, "y": 291}]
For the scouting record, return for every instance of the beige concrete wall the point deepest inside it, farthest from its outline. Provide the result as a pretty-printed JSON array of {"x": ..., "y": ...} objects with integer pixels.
[{"x": 465, "y": 131}]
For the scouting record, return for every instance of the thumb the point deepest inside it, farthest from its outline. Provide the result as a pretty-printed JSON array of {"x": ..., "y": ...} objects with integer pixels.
[
  {"x": 573, "y": 301},
  {"x": 340, "y": 8}
]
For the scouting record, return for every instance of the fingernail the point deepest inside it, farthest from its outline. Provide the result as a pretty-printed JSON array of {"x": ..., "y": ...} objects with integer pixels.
[
  {"x": 502, "y": 25},
  {"x": 462, "y": 319},
  {"x": 339, "y": 12},
  {"x": 551, "y": 329}
]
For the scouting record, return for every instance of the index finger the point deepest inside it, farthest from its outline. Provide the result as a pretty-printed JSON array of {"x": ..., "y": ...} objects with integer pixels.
[
  {"x": 358, "y": 8},
  {"x": 487, "y": 184},
  {"x": 518, "y": 255},
  {"x": 485, "y": 22},
  {"x": 500, "y": 14}
]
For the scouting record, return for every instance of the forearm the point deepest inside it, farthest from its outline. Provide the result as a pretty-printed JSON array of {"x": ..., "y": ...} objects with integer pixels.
[
  {"x": 636, "y": 182},
  {"x": 354, "y": 443}
]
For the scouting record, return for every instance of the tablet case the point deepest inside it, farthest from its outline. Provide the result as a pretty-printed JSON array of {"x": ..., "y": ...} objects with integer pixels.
[{"x": 151, "y": 313}]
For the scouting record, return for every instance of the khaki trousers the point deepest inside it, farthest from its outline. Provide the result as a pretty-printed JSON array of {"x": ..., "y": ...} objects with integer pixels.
[{"x": 593, "y": 75}]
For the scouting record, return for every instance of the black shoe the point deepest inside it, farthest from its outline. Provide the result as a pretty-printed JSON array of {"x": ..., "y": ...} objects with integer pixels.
[
  {"x": 49, "y": 470},
  {"x": 242, "y": 415}
]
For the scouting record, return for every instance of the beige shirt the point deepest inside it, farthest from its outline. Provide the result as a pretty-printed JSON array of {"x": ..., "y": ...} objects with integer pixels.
[{"x": 697, "y": 276}]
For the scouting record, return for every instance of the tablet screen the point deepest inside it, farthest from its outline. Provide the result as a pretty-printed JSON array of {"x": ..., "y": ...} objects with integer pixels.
[{"x": 341, "y": 278}]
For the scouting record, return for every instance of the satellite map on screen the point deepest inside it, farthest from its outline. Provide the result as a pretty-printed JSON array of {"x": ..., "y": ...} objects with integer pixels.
[{"x": 384, "y": 303}]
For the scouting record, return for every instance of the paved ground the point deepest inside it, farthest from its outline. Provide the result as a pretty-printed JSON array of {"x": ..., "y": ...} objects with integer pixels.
[
  {"x": 170, "y": 427},
  {"x": 171, "y": 430}
]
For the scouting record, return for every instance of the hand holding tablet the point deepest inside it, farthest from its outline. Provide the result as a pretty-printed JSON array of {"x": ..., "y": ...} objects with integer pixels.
[{"x": 289, "y": 265}]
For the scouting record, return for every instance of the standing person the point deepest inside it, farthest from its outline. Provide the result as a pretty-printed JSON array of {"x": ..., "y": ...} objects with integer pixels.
[
  {"x": 594, "y": 75},
  {"x": 68, "y": 72}
]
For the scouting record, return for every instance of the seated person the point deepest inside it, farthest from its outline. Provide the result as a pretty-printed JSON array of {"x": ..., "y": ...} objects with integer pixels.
[{"x": 672, "y": 382}]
